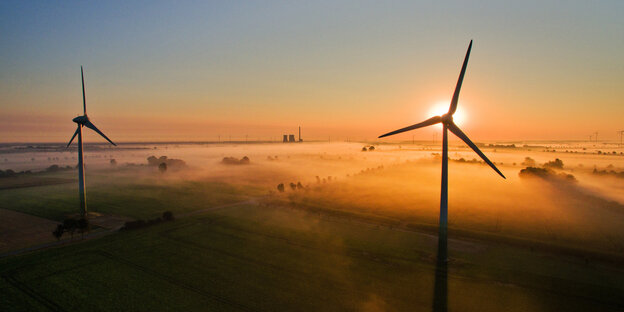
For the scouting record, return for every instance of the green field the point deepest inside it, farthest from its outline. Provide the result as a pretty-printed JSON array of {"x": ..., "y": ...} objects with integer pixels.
[
  {"x": 121, "y": 194},
  {"x": 267, "y": 258}
]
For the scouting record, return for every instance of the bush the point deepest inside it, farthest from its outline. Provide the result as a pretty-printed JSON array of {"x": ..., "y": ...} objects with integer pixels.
[
  {"x": 168, "y": 216},
  {"x": 170, "y": 162},
  {"x": 280, "y": 187},
  {"x": 233, "y": 161}
]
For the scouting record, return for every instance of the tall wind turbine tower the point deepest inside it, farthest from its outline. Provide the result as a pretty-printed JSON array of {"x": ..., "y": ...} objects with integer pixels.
[
  {"x": 448, "y": 125},
  {"x": 621, "y": 132},
  {"x": 83, "y": 121}
]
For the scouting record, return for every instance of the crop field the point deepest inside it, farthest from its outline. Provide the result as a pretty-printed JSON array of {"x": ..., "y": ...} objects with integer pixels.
[
  {"x": 124, "y": 196},
  {"x": 349, "y": 230},
  {"x": 261, "y": 258}
]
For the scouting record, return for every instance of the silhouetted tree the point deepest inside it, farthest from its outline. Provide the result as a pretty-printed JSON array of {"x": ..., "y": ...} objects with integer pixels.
[
  {"x": 280, "y": 187},
  {"x": 168, "y": 216},
  {"x": 82, "y": 225},
  {"x": 53, "y": 168},
  {"x": 234, "y": 161},
  {"x": 364, "y": 149},
  {"x": 162, "y": 167},
  {"x": 528, "y": 162},
  {"x": 299, "y": 185},
  {"x": 113, "y": 162},
  {"x": 557, "y": 163},
  {"x": 244, "y": 160},
  {"x": 58, "y": 232},
  {"x": 293, "y": 186},
  {"x": 371, "y": 148},
  {"x": 70, "y": 226}
]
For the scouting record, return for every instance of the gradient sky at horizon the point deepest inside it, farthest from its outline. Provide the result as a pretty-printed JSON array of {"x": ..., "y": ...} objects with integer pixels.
[{"x": 193, "y": 71}]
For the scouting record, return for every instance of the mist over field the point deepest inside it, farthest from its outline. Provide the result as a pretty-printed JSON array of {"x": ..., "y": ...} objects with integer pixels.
[
  {"x": 392, "y": 181},
  {"x": 360, "y": 217}
]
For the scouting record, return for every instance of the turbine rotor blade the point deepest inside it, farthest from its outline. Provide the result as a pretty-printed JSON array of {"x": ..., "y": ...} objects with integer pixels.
[
  {"x": 84, "y": 99},
  {"x": 453, "y": 106},
  {"x": 73, "y": 136},
  {"x": 431, "y": 121},
  {"x": 91, "y": 126},
  {"x": 453, "y": 128}
]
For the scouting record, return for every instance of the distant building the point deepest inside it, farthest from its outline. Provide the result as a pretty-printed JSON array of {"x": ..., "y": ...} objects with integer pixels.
[{"x": 290, "y": 138}]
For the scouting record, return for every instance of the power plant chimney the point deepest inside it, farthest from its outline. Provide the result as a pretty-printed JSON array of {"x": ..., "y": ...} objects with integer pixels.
[{"x": 300, "y": 140}]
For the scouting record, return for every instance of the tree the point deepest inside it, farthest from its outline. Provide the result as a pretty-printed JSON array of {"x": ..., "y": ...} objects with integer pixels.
[
  {"x": 58, "y": 232},
  {"x": 528, "y": 162},
  {"x": 280, "y": 187},
  {"x": 244, "y": 160},
  {"x": 168, "y": 216},
  {"x": 293, "y": 186},
  {"x": 113, "y": 162},
  {"x": 299, "y": 185},
  {"x": 70, "y": 226},
  {"x": 82, "y": 225},
  {"x": 371, "y": 148},
  {"x": 557, "y": 163},
  {"x": 162, "y": 167},
  {"x": 364, "y": 149}
]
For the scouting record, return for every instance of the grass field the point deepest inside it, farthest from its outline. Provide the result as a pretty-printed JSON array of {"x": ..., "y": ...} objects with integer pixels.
[
  {"x": 259, "y": 258},
  {"x": 124, "y": 195},
  {"x": 359, "y": 236}
]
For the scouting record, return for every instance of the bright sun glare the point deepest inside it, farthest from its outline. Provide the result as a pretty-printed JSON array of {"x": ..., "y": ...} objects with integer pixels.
[{"x": 442, "y": 108}]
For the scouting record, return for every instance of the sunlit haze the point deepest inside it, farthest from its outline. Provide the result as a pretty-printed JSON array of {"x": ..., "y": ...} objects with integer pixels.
[{"x": 441, "y": 108}]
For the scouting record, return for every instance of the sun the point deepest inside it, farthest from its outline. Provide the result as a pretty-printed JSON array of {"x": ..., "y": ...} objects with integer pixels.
[{"x": 442, "y": 108}]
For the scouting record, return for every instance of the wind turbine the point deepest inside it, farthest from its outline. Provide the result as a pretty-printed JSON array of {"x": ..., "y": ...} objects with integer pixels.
[
  {"x": 447, "y": 124},
  {"x": 83, "y": 121},
  {"x": 621, "y": 132}
]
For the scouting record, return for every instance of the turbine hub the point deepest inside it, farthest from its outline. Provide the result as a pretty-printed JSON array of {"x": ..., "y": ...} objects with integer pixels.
[
  {"x": 81, "y": 120},
  {"x": 447, "y": 118}
]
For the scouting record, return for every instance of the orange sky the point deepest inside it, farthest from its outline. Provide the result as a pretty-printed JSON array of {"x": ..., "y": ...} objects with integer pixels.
[{"x": 345, "y": 70}]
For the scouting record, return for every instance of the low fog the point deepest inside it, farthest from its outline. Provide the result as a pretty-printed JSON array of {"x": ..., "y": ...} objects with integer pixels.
[{"x": 398, "y": 184}]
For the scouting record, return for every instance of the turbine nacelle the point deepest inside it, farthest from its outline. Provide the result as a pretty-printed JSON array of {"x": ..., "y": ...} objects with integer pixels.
[
  {"x": 446, "y": 118},
  {"x": 81, "y": 120}
]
